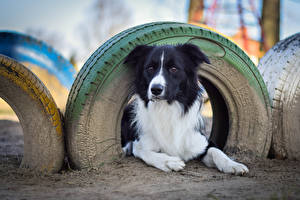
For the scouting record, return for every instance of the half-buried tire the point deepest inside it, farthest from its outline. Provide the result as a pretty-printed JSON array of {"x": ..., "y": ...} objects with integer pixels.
[
  {"x": 39, "y": 117},
  {"x": 240, "y": 102},
  {"x": 280, "y": 68}
]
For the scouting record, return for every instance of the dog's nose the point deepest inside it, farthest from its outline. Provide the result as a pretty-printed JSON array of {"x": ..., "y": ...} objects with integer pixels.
[{"x": 157, "y": 89}]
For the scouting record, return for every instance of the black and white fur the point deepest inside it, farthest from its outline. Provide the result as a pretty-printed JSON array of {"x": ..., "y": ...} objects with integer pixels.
[{"x": 162, "y": 125}]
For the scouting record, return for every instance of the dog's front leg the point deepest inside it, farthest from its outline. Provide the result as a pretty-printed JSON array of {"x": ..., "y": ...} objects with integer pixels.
[
  {"x": 152, "y": 157},
  {"x": 216, "y": 158}
]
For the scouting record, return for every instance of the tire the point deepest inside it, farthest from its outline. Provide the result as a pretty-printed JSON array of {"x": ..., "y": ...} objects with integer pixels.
[
  {"x": 240, "y": 101},
  {"x": 39, "y": 117},
  {"x": 55, "y": 71},
  {"x": 281, "y": 72}
]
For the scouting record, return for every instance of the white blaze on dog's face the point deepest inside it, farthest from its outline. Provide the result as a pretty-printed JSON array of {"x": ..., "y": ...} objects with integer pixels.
[{"x": 157, "y": 86}]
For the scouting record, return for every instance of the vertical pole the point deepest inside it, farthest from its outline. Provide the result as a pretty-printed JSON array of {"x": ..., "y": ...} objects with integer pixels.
[
  {"x": 271, "y": 22},
  {"x": 196, "y": 11}
]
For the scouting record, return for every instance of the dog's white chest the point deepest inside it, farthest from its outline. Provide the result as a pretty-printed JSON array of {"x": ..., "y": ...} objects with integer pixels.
[{"x": 172, "y": 131}]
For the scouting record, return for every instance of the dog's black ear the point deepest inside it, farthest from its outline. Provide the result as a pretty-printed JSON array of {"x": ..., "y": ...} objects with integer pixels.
[
  {"x": 194, "y": 53},
  {"x": 137, "y": 54}
]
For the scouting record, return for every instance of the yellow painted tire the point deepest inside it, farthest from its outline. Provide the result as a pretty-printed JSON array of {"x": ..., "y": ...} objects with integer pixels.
[{"x": 38, "y": 114}]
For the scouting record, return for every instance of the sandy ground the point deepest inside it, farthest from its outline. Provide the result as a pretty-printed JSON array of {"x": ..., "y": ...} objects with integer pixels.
[{"x": 130, "y": 178}]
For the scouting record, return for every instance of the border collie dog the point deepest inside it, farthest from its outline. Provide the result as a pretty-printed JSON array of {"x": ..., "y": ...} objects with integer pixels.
[{"x": 162, "y": 124}]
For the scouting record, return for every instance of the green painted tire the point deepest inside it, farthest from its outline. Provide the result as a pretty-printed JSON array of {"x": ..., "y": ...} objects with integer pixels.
[
  {"x": 239, "y": 98},
  {"x": 39, "y": 116}
]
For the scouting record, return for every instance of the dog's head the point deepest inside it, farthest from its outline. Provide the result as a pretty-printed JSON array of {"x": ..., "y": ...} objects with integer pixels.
[{"x": 166, "y": 72}]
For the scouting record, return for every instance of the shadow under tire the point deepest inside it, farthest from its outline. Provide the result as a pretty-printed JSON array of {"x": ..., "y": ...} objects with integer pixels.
[
  {"x": 38, "y": 115},
  {"x": 103, "y": 87}
]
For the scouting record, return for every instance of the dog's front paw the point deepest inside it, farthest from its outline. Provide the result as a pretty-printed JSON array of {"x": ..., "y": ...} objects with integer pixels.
[
  {"x": 236, "y": 168},
  {"x": 172, "y": 163},
  {"x": 175, "y": 164}
]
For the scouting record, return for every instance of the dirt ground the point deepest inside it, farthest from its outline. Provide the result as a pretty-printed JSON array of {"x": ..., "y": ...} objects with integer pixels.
[{"x": 130, "y": 178}]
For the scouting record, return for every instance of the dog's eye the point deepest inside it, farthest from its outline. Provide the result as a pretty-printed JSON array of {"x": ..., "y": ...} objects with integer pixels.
[
  {"x": 150, "y": 69},
  {"x": 173, "y": 69}
]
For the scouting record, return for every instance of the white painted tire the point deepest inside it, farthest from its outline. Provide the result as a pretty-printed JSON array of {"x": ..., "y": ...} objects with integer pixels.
[{"x": 280, "y": 68}]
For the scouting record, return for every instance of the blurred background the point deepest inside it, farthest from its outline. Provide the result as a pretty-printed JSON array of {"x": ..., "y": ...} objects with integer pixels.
[{"x": 76, "y": 28}]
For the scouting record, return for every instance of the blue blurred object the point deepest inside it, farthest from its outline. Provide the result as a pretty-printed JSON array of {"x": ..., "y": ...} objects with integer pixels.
[{"x": 27, "y": 49}]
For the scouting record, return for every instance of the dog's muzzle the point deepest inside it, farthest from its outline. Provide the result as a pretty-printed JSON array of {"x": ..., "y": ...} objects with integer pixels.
[
  {"x": 157, "y": 89},
  {"x": 157, "y": 92}
]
